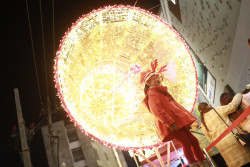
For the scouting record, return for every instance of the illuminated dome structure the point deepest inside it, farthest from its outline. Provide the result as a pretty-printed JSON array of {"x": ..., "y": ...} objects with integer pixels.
[{"x": 97, "y": 73}]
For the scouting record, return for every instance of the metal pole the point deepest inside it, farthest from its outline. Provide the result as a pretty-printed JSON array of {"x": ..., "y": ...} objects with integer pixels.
[{"x": 25, "y": 148}]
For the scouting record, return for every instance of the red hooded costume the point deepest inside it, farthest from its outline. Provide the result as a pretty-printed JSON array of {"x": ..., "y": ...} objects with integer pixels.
[{"x": 166, "y": 111}]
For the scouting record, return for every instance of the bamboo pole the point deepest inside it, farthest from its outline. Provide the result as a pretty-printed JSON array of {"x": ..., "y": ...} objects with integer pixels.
[
  {"x": 135, "y": 159},
  {"x": 177, "y": 153},
  {"x": 117, "y": 157},
  {"x": 168, "y": 147},
  {"x": 151, "y": 163},
  {"x": 159, "y": 157}
]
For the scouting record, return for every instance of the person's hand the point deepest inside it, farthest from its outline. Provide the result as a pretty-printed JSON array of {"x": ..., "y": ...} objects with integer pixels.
[{"x": 173, "y": 127}]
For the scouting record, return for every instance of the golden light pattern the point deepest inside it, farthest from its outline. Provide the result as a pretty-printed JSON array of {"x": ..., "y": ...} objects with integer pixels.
[{"x": 97, "y": 73}]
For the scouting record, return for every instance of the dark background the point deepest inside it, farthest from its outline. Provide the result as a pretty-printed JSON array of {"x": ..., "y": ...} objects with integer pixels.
[{"x": 32, "y": 73}]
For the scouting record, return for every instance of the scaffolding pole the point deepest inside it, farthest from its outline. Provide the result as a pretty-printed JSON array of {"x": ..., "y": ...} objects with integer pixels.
[
  {"x": 21, "y": 125},
  {"x": 52, "y": 136}
]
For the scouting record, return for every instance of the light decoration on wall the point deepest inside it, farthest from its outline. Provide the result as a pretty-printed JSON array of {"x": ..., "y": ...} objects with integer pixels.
[{"x": 97, "y": 73}]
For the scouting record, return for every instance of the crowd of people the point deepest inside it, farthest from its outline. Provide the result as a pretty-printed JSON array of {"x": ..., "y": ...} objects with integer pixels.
[
  {"x": 172, "y": 121},
  {"x": 213, "y": 126},
  {"x": 16, "y": 139}
]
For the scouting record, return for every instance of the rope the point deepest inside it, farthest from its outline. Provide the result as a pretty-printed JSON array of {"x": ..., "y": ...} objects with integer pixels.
[
  {"x": 33, "y": 51},
  {"x": 154, "y": 7},
  {"x": 44, "y": 49},
  {"x": 197, "y": 133},
  {"x": 53, "y": 24},
  {"x": 135, "y": 2},
  {"x": 157, "y": 6}
]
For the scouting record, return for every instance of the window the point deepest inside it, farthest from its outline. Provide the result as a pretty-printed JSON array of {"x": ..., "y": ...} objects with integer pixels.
[
  {"x": 211, "y": 83},
  {"x": 78, "y": 154},
  {"x": 201, "y": 71},
  {"x": 72, "y": 135},
  {"x": 205, "y": 79}
]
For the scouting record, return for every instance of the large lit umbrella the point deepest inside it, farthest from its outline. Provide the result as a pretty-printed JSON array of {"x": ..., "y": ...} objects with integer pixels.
[{"x": 97, "y": 73}]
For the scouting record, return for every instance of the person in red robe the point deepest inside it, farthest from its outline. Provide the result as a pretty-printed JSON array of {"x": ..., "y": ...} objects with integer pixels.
[{"x": 171, "y": 119}]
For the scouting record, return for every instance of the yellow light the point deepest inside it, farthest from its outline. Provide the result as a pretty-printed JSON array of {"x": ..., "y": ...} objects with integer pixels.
[{"x": 95, "y": 82}]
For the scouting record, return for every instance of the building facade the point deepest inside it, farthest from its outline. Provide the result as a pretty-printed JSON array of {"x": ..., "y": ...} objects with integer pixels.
[
  {"x": 217, "y": 33},
  {"x": 75, "y": 149}
]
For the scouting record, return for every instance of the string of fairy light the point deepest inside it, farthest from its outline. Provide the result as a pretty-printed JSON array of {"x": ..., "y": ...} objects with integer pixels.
[{"x": 97, "y": 73}]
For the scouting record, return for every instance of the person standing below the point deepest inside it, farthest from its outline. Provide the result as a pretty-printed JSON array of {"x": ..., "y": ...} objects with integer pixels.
[
  {"x": 171, "y": 119},
  {"x": 244, "y": 125},
  {"x": 15, "y": 137},
  {"x": 231, "y": 150},
  {"x": 30, "y": 132},
  {"x": 196, "y": 130}
]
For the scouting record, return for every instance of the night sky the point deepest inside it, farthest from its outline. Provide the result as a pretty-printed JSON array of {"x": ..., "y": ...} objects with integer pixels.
[{"x": 26, "y": 71}]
